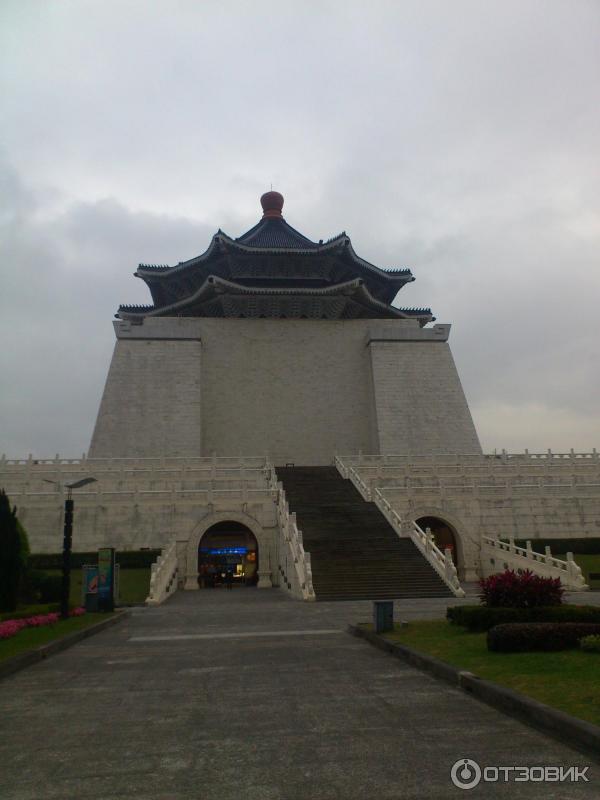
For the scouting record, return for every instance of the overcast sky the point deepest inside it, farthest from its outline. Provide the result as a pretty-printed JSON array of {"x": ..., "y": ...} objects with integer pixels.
[{"x": 456, "y": 138}]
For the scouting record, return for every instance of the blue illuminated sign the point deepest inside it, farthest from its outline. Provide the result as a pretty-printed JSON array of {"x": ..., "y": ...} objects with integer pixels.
[{"x": 224, "y": 551}]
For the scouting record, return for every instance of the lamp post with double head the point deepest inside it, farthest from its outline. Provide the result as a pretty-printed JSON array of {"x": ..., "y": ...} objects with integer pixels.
[{"x": 67, "y": 541}]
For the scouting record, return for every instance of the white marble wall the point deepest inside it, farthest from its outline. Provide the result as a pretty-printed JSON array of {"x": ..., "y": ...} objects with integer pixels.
[{"x": 297, "y": 390}]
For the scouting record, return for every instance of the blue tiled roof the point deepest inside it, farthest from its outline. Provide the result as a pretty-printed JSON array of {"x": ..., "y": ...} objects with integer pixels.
[{"x": 275, "y": 233}]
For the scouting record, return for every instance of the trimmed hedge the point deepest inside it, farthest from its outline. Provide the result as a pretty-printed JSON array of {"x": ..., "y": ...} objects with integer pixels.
[
  {"x": 127, "y": 559},
  {"x": 482, "y": 618},
  {"x": 590, "y": 546},
  {"x": 519, "y": 637}
]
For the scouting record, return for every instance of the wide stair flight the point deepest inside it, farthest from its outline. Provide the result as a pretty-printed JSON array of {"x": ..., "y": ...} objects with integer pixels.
[{"x": 355, "y": 553}]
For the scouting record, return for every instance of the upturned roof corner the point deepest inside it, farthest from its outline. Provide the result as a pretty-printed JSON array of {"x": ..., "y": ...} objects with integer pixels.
[{"x": 301, "y": 278}]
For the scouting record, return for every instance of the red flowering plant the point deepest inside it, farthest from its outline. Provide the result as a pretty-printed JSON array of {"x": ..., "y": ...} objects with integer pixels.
[
  {"x": 11, "y": 627},
  {"x": 510, "y": 589}
]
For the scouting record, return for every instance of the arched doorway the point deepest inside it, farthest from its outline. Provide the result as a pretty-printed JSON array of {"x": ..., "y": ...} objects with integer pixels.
[
  {"x": 227, "y": 556},
  {"x": 444, "y": 535}
]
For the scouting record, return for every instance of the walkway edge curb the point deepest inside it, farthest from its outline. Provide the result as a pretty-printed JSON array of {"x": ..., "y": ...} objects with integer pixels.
[
  {"x": 24, "y": 660},
  {"x": 581, "y": 735}
]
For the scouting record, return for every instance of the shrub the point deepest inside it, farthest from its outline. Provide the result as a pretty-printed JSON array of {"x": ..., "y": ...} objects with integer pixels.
[
  {"x": 510, "y": 589},
  {"x": 482, "y": 618},
  {"x": 590, "y": 643},
  {"x": 517, "y": 637}
]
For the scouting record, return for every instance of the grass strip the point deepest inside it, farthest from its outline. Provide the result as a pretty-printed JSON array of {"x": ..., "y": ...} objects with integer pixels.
[{"x": 31, "y": 638}]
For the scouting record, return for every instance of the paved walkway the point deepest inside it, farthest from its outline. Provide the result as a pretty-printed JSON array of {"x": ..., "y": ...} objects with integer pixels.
[{"x": 175, "y": 703}]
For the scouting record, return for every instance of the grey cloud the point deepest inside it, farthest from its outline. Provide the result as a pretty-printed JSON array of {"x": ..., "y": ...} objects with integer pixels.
[{"x": 459, "y": 139}]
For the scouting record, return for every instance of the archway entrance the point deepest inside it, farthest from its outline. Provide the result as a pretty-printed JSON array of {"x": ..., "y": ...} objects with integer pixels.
[
  {"x": 227, "y": 556},
  {"x": 443, "y": 535}
]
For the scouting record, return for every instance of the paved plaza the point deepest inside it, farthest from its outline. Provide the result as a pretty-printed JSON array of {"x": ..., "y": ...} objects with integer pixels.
[{"x": 247, "y": 694}]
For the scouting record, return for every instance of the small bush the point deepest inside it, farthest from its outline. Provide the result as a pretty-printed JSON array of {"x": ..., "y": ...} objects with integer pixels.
[
  {"x": 482, "y": 618},
  {"x": 590, "y": 644},
  {"x": 510, "y": 589},
  {"x": 518, "y": 637}
]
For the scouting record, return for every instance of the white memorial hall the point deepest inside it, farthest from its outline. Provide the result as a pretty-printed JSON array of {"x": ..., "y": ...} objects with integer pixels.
[{"x": 275, "y": 412}]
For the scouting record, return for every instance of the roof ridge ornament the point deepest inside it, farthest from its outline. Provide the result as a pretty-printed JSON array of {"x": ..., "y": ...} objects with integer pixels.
[{"x": 272, "y": 204}]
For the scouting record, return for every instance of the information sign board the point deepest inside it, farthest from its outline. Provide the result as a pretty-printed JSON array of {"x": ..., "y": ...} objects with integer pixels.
[{"x": 106, "y": 578}]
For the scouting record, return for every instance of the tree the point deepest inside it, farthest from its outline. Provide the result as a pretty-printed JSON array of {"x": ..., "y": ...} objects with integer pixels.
[{"x": 11, "y": 556}]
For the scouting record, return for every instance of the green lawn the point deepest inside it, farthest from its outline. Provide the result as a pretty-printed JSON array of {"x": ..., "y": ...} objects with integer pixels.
[
  {"x": 30, "y": 638},
  {"x": 134, "y": 585},
  {"x": 567, "y": 680}
]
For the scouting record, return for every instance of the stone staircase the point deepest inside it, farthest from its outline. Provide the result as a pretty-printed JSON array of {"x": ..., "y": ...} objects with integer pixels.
[{"x": 355, "y": 553}]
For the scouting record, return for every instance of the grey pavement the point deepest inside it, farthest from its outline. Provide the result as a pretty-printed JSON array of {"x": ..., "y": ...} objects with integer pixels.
[{"x": 247, "y": 694}]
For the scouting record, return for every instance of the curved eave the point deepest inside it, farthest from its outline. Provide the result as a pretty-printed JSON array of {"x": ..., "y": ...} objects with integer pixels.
[
  {"x": 395, "y": 277},
  {"x": 146, "y": 271},
  {"x": 220, "y": 239},
  {"x": 215, "y": 285},
  {"x": 332, "y": 244},
  {"x": 392, "y": 275}
]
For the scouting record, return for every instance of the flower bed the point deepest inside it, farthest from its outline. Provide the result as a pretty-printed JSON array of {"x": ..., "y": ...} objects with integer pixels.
[{"x": 11, "y": 627}]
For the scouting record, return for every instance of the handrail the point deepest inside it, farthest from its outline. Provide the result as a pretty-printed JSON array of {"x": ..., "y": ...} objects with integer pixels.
[
  {"x": 544, "y": 564},
  {"x": 442, "y": 562},
  {"x": 298, "y": 581},
  {"x": 163, "y": 576},
  {"x": 424, "y": 541}
]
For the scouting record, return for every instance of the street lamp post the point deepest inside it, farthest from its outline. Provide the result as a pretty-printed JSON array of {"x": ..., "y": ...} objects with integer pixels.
[{"x": 67, "y": 542}]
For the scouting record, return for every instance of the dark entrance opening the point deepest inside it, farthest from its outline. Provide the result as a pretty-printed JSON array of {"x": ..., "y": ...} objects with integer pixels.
[
  {"x": 443, "y": 535},
  {"x": 228, "y": 556}
]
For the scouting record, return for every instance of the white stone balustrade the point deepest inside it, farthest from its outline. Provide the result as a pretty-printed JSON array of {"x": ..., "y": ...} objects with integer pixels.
[
  {"x": 163, "y": 576},
  {"x": 394, "y": 459},
  {"x": 441, "y": 562},
  {"x": 525, "y": 495},
  {"x": 294, "y": 562},
  {"x": 497, "y": 555}
]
